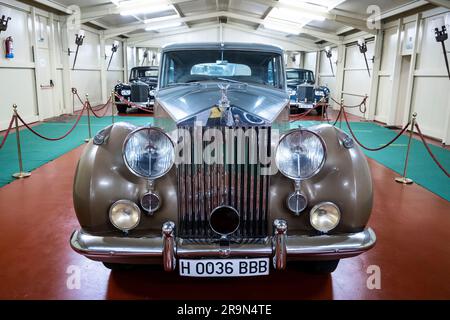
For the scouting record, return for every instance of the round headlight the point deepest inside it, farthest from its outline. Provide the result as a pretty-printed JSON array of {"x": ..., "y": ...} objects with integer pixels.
[
  {"x": 300, "y": 154},
  {"x": 148, "y": 152},
  {"x": 325, "y": 216},
  {"x": 124, "y": 215}
]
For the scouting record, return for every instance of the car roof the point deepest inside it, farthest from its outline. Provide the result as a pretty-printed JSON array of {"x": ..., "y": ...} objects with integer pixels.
[
  {"x": 145, "y": 68},
  {"x": 298, "y": 69},
  {"x": 225, "y": 46}
]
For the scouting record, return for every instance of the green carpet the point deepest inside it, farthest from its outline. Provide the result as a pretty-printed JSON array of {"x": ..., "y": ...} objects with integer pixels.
[
  {"x": 421, "y": 168},
  {"x": 37, "y": 152}
]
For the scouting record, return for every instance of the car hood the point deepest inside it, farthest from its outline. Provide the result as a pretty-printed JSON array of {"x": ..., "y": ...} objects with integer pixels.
[{"x": 196, "y": 100}]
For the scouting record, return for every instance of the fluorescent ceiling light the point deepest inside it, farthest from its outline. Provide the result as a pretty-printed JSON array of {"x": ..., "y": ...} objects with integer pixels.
[
  {"x": 293, "y": 16},
  {"x": 325, "y": 4},
  {"x": 161, "y": 19},
  {"x": 282, "y": 27},
  {"x": 163, "y": 26},
  {"x": 139, "y": 8}
]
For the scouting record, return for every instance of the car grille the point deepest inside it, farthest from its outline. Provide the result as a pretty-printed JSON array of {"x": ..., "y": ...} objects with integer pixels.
[
  {"x": 305, "y": 92},
  {"x": 203, "y": 187}
]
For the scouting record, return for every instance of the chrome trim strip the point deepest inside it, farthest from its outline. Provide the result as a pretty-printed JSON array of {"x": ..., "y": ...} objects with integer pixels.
[
  {"x": 168, "y": 253},
  {"x": 279, "y": 243},
  {"x": 296, "y": 246}
]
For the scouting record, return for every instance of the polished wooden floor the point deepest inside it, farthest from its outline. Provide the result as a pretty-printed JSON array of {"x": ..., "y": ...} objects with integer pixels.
[{"x": 37, "y": 218}]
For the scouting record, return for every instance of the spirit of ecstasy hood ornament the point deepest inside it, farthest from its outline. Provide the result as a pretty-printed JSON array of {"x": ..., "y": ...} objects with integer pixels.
[
  {"x": 224, "y": 102},
  {"x": 224, "y": 105}
]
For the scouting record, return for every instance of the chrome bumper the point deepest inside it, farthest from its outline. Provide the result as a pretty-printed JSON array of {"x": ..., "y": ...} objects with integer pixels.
[{"x": 279, "y": 247}]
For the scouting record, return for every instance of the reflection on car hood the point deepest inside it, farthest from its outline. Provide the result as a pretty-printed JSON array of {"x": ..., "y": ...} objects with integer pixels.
[{"x": 183, "y": 102}]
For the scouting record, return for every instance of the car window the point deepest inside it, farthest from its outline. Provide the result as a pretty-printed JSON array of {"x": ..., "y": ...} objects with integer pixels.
[
  {"x": 255, "y": 67},
  {"x": 151, "y": 73},
  {"x": 221, "y": 69}
]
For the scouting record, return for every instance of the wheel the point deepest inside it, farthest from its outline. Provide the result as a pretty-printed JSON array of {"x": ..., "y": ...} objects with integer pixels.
[
  {"x": 121, "y": 108},
  {"x": 318, "y": 267},
  {"x": 321, "y": 110},
  {"x": 117, "y": 266}
]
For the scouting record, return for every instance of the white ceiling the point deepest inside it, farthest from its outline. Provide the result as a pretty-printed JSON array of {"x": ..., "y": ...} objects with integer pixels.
[{"x": 247, "y": 13}]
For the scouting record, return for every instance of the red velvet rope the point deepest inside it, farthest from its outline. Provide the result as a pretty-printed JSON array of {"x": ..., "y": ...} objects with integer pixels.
[
  {"x": 95, "y": 114},
  {"x": 7, "y": 132},
  {"x": 429, "y": 150},
  {"x": 53, "y": 139},
  {"x": 297, "y": 117},
  {"x": 373, "y": 149}
]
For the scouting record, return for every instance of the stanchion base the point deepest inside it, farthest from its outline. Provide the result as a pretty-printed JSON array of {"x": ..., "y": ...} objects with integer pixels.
[
  {"x": 21, "y": 175},
  {"x": 87, "y": 140},
  {"x": 403, "y": 180}
]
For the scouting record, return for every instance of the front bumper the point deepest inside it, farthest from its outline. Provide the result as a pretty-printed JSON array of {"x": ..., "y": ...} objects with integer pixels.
[{"x": 280, "y": 247}]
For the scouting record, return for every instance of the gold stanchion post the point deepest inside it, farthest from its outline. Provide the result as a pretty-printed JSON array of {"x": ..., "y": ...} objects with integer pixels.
[
  {"x": 403, "y": 179},
  {"x": 340, "y": 114},
  {"x": 88, "y": 119},
  {"x": 21, "y": 174},
  {"x": 113, "y": 105}
]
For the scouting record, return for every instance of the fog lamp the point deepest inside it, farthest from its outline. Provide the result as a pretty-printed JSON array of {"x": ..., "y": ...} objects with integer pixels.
[
  {"x": 124, "y": 215},
  {"x": 325, "y": 216}
]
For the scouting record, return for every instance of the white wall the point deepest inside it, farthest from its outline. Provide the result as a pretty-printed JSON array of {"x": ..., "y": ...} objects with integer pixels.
[
  {"x": 18, "y": 72},
  {"x": 356, "y": 80},
  {"x": 414, "y": 80},
  {"x": 40, "y": 48}
]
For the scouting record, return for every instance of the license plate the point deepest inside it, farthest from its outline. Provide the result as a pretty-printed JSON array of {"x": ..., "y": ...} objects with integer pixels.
[{"x": 224, "y": 267}]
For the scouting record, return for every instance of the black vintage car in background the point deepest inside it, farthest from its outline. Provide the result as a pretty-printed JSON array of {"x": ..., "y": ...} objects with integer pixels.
[
  {"x": 140, "y": 90},
  {"x": 303, "y": 92}
]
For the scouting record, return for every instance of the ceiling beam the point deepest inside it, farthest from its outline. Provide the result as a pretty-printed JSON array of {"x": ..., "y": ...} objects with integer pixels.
[
  {"x": 99, "y": 11},
  {"x": 303, "y": 43},
  {"x": 350, "y": 20},
  {"x": 306, "y": 30},
  {"x": 440, "y": 3}
]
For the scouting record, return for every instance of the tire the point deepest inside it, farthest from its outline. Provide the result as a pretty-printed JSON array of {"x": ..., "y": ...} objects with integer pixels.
[
  {"x": 117, "y": 266},
  {"x": 121, "y": 108},
  {"x": 318, "y": 267},
  {"x": 320, "y": 111}
]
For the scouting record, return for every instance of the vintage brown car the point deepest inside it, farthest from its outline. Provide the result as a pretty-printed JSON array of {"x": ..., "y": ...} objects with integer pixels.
[{"x": 219, "y": 184}]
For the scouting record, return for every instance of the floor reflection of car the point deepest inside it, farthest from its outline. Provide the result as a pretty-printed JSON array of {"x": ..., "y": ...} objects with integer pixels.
[
  {"x": 303, "y": 93},
  {"x": 140, "y": 90}
]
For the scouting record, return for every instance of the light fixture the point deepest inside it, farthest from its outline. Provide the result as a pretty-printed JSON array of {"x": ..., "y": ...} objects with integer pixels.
[
  {"x": 363, "y": 49},
  {"x": 286, "y": 28},
  {"x": 79, "y": 38},
  {"x": 4, "y": 23},
  {"x": 134, "y": 8},
  {"x": 442, "y": 36},
  {"x": 163, "y": 26},
  {"x": 329, "y": 54},
  {"x": 294, "y": 15},
  {"x": 114, "y": 48}
]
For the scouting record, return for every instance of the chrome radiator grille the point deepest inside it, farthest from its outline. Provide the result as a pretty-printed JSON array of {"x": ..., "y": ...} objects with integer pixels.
[{"x": 203, "y": 187}]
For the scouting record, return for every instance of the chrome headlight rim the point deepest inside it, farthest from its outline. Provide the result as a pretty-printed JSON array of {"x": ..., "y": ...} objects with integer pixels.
[
  {"x": 134, "y": 171},
  {"x": 325, "y": 152},
  {"x": 317, "y": 206},
  {"x": 127, "y": 202}
]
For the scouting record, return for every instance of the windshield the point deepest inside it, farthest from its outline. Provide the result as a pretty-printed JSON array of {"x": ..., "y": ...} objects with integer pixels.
[
  {"x": 300, "y": 76},
  {"x": 253, "y": 67},
  {"x": 144, "y": 73}
]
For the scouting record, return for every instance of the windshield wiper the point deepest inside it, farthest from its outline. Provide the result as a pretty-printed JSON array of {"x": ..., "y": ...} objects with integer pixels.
[{"x": 233, "y": 81}]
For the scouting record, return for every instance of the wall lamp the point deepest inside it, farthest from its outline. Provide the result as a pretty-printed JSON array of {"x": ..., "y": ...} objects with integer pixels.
[
  {"x": 329, "y": 54},
  {"x": 363, "y": 49},
  {"x": 79, "y": 37},
  {"x": 441, "y": 36},
  {"x": 114, "y": 48},
  {"x": 4, "y": 23}
]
